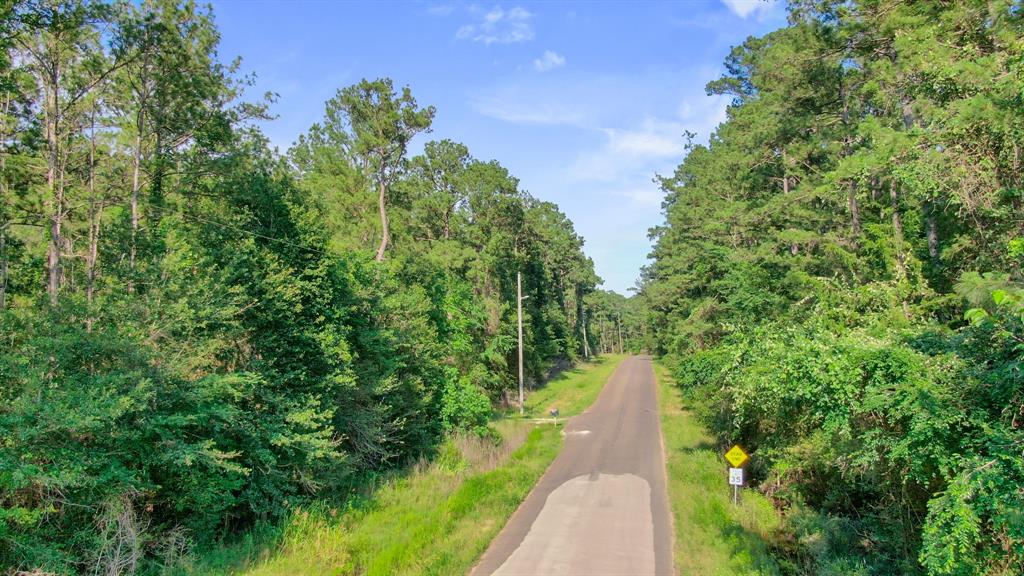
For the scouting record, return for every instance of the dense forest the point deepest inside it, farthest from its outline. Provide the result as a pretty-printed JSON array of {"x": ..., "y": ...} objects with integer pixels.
[
  {"x": 198, "y": 332},
  {"x": 838, "y": 282}
]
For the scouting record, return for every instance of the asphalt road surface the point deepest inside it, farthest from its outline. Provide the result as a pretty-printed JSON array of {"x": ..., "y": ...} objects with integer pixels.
[{"x": 601, "y": 508}]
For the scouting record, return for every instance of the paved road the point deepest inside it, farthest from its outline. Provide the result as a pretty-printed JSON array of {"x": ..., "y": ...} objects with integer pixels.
[{"x": 601, "y": 508}]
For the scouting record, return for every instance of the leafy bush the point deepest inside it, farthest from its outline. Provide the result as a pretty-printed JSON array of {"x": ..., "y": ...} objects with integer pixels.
[
  {"x": 464, "y": 406},
  {"x": 910, "y": 447}
]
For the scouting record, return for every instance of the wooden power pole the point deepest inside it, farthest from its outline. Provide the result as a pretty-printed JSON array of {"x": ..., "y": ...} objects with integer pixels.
[
  {"x": 618, "y": 324},
  {"x": 519, "y": 317},
  {"x": 586, "y": 345}
]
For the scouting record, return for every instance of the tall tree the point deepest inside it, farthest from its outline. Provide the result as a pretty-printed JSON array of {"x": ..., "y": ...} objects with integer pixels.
[
  {"x": 61, "y": 45},
  {"x": 382, "y": 122},
  {"x": 173, "y": 93}
]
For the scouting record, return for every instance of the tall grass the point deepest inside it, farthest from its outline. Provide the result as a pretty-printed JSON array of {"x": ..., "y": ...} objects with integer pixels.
[
  {"x": 437, "y": 518},
  {"x": 713, "y": 537}
]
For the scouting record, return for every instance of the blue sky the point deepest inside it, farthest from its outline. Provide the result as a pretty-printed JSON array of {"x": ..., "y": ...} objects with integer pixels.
[{"x": 584, "y": 102}]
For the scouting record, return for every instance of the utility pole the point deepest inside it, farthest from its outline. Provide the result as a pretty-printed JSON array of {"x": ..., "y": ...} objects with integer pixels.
[
  {"x": 618, "y": 323},
  {"x": 519, "y": 315},
  {"x": 604, "y": 336},
  {"x": 586, "y": 345}
]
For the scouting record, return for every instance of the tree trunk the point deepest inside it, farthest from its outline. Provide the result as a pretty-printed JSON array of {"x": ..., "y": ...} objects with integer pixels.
[
  {"x": 155, "y": 198},
  {"x": 385, "y": 231},
  {"x": 95, "y": 209},
  {"x": 3, "y": 209},
  {"x": 851, "y": 196},
  {"x": 136, "y": 168},
  {"x": 519, "y": 324},
  {"x": 908, "y": 115},
  {"x": 785, "y": 170},
  {"x": 3, "y": 265},
  {"x": 91, "y": 264},
  {"x": 897, "y": 228},
  {"x": 55, "y": 199},
  {"x": 932, "y": 231}
]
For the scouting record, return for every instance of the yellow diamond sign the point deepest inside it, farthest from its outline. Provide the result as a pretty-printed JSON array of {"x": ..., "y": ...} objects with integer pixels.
[{"x": 736, "y": 456}]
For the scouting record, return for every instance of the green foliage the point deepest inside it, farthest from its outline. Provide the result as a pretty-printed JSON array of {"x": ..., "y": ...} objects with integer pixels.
[
  {"x": 867, "y": 430},
  {"x": 464, "y": 406}
]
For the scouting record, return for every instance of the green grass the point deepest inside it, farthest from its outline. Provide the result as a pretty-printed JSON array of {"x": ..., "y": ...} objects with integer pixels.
[
  {"x": 437, "y": 519},
  {"x": 712, "y": 536},
  {"x": 574, "y": 390}
]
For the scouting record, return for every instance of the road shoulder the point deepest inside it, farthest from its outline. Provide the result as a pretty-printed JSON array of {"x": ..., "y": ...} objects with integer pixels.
[{"x": 712, "y": 537}]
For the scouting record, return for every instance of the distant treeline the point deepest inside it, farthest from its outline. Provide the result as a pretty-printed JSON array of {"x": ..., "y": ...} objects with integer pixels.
[{"x": 838, "y": 282}]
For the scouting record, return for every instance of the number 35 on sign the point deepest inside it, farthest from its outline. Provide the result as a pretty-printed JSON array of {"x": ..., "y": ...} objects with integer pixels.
[{"x": 735, "y": 476}]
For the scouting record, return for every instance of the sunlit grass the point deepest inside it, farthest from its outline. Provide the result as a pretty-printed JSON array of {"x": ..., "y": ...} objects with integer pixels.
[
  {"x": 572, "y": 391},
  {"x": 436, "y": 519},
  {"x": 713, "y": 536}
]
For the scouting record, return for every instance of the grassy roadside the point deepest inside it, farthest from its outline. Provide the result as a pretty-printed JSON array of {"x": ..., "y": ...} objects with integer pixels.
[
  {"x": 437, "y": 519},
  {"x": 713, "y": 537},
  {"x": 574, "y": 390}
]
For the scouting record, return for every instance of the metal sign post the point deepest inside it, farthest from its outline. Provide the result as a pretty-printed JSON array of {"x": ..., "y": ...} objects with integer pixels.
[{"x": 735, "y": 480}]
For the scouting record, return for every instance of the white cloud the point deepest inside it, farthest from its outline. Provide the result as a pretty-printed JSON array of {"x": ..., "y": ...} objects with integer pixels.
[
  {"x": 629, "y": 156},
  {"x": 499, "y": 26},
  {"x": 549, "y": 61},
  {"x": 549, "y": 114},
  {"x": 574, "y": 98},
  {"x": 744, "y": 8},
  {"x": 648, "y": 142},
  {"x": 538, "y": 99},
  {"x": 634, "y": 152},
  {"x": 628, "y": 127},
  {"x": 651, "y": 196}
]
